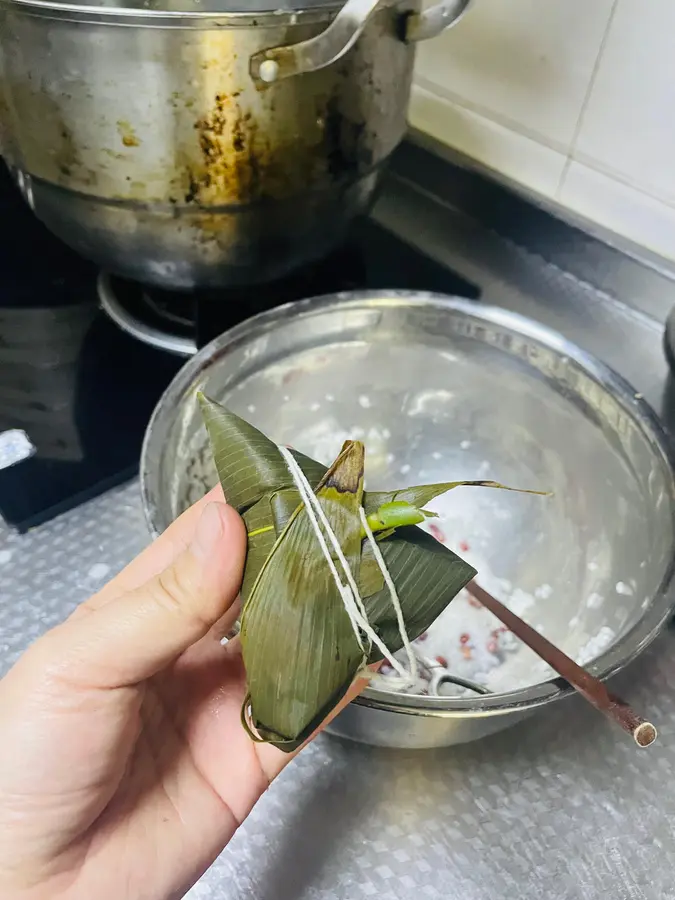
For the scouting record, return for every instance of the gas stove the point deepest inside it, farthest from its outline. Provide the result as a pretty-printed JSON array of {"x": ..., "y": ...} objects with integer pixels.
[
  {"x": 182, "y": 323},
  {"x": 85, "y": 356}
]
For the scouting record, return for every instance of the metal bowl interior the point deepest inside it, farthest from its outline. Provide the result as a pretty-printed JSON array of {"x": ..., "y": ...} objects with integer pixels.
[{"x": 445, "y": 389}]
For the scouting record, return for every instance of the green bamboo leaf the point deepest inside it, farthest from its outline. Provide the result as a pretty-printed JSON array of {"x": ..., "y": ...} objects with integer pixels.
[
  {"x": 248, "y": 463},
  {"x": 273, "y": 502},
  {"x": 427, "y": 576},
  {"x": 313, "y": 470},
  {"x": 299, "y": 648},
  {"x": 372, "y": 581},
  {"x": 291, "y": 605},
  {"x": 284, "y": 504},
  {"x": 257, "y": 519},
  {"x": 251, "y": 470},
  {"x": 420, "y": 494},
  {"x": 268, "y": 502}
]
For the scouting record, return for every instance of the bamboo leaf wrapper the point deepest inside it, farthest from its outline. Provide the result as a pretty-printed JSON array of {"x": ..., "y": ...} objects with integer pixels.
[{"x": 299, "y": 646}]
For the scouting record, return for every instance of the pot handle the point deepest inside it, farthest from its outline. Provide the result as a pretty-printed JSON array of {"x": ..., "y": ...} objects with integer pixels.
[
  {"x": 317, "y": 52},
  {"x": 277, "y": 63},
  {"x": 431, "y": 22}
]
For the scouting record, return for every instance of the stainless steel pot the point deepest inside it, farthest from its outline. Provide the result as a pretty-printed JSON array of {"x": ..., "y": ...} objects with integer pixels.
[
  {"x": 195, "y": 145},
  {"x": 441, "y": 388}
]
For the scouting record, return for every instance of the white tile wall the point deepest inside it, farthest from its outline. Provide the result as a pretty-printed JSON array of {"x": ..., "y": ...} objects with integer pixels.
[
  {"x": 508, "y": 151},
  {"x": 628, "y": 126},
  {"x": 574, "y": 99},
  {"x": 524, "y": 63},
  {"x": 620, "y": 208}
]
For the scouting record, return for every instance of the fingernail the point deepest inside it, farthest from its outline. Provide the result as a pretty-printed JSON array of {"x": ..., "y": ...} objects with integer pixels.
[{"x": 209, "y": 531}]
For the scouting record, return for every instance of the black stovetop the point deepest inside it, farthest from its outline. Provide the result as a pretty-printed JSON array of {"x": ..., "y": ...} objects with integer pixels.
[{"x": 79, "y": 391}]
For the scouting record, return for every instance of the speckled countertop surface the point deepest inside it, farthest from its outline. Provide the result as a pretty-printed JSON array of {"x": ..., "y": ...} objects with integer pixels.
[
  {"x": 543, "y": 810},
  {"x": 562, "y": 806}
]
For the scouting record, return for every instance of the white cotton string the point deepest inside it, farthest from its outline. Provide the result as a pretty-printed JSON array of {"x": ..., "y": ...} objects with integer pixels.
[
  {"x": 395, "y": 602},
  {"x": 349, "y": 592},
  {"x": 346, "y": 592}
]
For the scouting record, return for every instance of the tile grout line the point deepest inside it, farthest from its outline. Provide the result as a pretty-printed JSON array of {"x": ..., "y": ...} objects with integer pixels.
[
  {"x": 448, "y": 96},
  {"x": 615, "y": 175},
  {"x": 584, "y": 106}
]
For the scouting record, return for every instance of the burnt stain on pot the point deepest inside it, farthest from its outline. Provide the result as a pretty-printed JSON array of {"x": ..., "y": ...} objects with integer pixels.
[
  {"x": 242, "y": 162},
  {"x": 228, "y": 172},
  {"x": 127, "y": 134},
  {"x": 344, "y": 142}
]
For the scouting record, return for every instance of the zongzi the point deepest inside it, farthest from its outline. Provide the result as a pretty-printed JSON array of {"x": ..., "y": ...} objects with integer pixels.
[{"x": 336, "y": 577}]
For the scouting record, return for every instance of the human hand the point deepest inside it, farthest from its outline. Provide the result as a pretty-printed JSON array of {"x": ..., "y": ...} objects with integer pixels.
[{"x": 124, "y": 768}]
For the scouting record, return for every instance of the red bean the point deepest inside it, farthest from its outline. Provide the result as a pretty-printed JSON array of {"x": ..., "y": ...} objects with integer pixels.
[{"x": 436, "y": 532}]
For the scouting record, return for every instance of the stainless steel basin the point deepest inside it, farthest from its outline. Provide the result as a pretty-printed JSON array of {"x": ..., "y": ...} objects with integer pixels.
[{"x": 440, "y": 389}]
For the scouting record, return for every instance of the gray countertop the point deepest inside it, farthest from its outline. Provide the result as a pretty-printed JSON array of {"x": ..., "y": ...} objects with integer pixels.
[{"x": 562, "y": 806}]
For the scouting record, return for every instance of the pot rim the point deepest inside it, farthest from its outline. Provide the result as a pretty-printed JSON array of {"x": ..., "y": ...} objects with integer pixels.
[
  {"x": 158, "y": 18},
  {"x": 626, "y": 649}
]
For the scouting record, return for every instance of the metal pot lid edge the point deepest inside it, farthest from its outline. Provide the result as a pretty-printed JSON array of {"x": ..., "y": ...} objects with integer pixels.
[{"x": 189, "y": 11}]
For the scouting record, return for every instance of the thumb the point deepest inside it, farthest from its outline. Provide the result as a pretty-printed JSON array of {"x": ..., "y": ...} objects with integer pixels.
[{"x": 139, "y": 633}]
